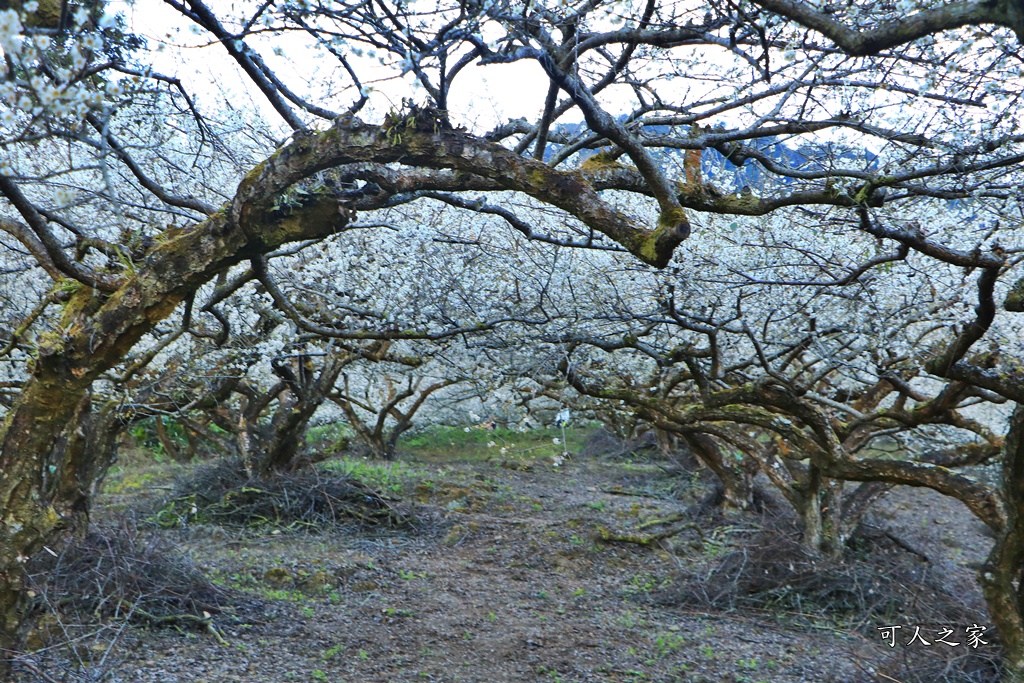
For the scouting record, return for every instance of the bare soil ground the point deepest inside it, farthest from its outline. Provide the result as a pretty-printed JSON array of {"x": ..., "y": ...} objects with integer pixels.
[{"x": 504, "y": 578}]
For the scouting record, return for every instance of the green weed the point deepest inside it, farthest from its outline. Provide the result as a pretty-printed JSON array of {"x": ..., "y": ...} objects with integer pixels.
[
  {"x": 391, "y": 477},
  {"x": 667, "y": 643},
  {"x": 645, "y": 583}
]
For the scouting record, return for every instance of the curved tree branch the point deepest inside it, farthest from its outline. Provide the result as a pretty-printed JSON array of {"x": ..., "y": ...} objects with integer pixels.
[{"x": 895, "y": 32}]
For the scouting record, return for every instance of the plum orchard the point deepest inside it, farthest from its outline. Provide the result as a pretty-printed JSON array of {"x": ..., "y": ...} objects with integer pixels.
[
  {"x": 798, "y": 360},
  {"x": 258, "y": 366},
  {"x": 137, "y": 203}
]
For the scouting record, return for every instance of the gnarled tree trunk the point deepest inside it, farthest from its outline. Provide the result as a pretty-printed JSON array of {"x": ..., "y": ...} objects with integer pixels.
[
  {"x": 820, "y": 514},
  {"x": 1005, "y": 563},
  {"x": 278, "y": 451},
  {"x": 737, "y": 480},
  {"x": 47, "y": 469}
]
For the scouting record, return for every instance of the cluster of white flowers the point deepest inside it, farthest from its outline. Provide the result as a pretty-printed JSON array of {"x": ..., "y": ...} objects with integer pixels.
[
  {"x": 10, "y": 31},
  {"x": 49, "y": 87}
]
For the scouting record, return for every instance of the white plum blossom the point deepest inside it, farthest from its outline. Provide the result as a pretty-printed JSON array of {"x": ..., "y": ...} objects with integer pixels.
[
  {"x": 10, "y": 32},
  {"x": 91, "y": 41},
  {"x": 63, "y": 196},
  {"x": 78, "y": 60}
]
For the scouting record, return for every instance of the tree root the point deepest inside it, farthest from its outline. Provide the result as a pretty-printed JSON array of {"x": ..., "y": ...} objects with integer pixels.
[
  {"x": 906, "y": 546},
  {"x": 650, "y": 539},
  {"x": 624, "y": 492},
  {"x": 678, "y": 517},
  {"x": 205, "y": 621}
]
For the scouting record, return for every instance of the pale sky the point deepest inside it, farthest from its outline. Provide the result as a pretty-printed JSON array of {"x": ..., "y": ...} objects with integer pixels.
[{"x": 480, "y": 98}]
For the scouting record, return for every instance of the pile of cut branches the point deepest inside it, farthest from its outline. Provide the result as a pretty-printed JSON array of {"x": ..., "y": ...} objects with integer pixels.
[
  {"x": 224, "y": 494},
  {"x": 880, "y": 584},
  {"x": 122, "y": 573},
  {"x": 772, "y": 570}
]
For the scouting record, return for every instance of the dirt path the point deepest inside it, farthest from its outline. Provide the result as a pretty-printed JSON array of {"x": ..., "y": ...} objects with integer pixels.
[{"x": 506, "y": 583}]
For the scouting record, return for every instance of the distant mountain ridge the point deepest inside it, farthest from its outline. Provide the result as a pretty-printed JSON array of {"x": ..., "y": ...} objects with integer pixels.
[{"x": 719, "y": 169}]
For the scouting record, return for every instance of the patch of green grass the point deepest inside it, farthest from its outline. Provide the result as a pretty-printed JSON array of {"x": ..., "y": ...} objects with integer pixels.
[
  {"x": 234, "y": 579},
  {"x": 443, "y": 438},
  {"x": 138, "y": 469},
  {"x": 284, "y": 595},
  {"x": 330, "y": 437},
  {"x": 628, "y": 618},
  {"x": 390, "y": 476},
  {"x": 130, "y": 481},
  {"x": 750, "y": 664}
]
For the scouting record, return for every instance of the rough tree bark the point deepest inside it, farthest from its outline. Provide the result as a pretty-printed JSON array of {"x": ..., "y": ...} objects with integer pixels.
[
  {"x": 904, "y": 29},
  {"x": 737, "y": 480},
  {"x": 1005, "y": 563}
]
